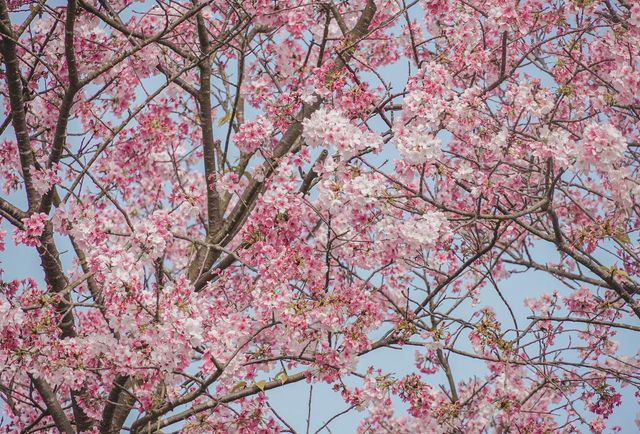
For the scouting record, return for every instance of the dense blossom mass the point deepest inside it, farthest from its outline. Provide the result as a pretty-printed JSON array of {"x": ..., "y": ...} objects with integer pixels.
[{"x": 227, "y": 198}]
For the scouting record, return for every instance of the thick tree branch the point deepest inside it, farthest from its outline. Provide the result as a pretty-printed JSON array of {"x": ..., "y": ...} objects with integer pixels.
[
  {"x": 17, "y": 104},
  {"x": 53, "y": 406}
]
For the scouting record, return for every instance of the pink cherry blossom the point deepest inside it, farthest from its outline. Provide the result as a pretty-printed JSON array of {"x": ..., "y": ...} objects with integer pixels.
[
  {"x": 226, "y": 215},
  {"x": 33, "y": 227}
]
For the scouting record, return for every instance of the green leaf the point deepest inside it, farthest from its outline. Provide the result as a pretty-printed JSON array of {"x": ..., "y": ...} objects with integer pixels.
[
  {"x": 239, "y": 386},
  {"x": 282, "y": 376},
  {"x": 623, "y": 237},
  {"x": 226, "y": 118}
]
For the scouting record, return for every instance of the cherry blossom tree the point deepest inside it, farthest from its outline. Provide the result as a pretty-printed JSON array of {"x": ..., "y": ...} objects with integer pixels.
[{"x": 230, "y": 197}]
